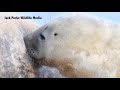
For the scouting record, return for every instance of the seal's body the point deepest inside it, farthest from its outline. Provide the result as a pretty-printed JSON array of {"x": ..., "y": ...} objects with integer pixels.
[{"x": 78, "y": 46}]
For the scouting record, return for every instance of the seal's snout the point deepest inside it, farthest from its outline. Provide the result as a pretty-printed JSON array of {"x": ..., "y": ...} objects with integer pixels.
[
  {"x": 42, "y": 37},
  {"x": 28, "y": 46}
]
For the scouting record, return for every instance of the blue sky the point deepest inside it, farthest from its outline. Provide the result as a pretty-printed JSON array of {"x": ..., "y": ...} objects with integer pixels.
[{"x": 48, "y": 16}]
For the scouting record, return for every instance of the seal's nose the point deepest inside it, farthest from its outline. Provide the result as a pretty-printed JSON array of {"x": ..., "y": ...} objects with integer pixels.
[{"x": 42, "y": 37}]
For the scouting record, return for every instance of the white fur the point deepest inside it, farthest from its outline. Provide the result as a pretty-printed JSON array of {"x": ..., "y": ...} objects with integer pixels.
[
  {"x": 97, "y": 37},
  {"x": 85, "y": 46}
]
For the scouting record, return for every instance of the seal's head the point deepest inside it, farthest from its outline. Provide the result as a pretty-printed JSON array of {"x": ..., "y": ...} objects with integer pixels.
[{"x": 56, "y": 40}]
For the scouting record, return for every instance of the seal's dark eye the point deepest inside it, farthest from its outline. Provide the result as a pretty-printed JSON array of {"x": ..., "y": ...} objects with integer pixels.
[{"x": 55, "y": 34}]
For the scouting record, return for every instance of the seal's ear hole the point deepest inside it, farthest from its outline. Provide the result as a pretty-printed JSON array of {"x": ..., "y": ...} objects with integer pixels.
[{"x": 55, "y": 34}]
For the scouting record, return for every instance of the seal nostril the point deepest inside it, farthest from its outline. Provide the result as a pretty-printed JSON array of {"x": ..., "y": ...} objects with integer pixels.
[{"x": 42, "y": 37}]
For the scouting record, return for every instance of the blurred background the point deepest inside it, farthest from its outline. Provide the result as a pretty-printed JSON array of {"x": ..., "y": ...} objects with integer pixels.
[{"x": 48, "y": 16}]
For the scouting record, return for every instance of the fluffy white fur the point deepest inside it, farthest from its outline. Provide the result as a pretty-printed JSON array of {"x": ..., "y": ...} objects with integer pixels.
[{"x": 84, "y": 47}]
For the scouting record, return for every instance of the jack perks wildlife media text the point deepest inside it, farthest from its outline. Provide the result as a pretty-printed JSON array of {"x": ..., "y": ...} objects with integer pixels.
[{"x": 22, "y": 17}]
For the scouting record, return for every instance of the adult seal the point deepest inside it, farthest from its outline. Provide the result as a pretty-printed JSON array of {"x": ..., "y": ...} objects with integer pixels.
[{"x": 79, "y": 46}]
